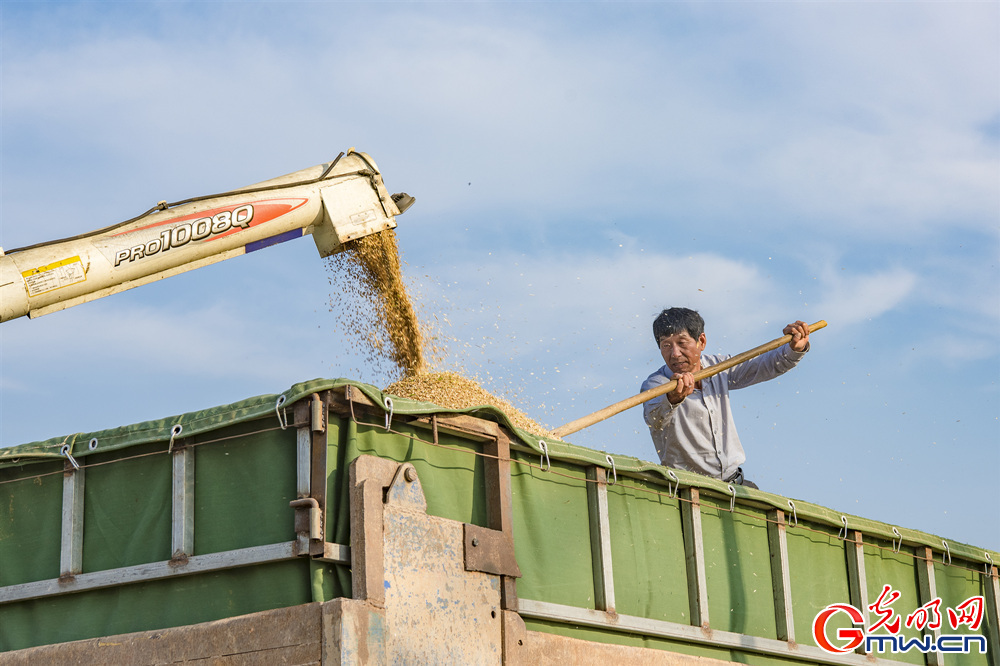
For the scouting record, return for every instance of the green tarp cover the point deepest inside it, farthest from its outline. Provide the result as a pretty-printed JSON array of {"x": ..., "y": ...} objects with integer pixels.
[{"x": 245, "y": 476}]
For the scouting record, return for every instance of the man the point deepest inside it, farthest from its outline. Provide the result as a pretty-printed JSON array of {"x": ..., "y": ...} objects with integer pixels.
[{"x": 692, "y": 427}]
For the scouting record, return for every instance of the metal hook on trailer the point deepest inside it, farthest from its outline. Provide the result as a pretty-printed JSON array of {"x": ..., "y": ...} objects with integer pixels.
[
  {"x": 544, "y": 463},
  {"x": 896, "y": 546},
  {"x": 989, "y": 563},
  {"x": 176, "y": 430},
  {"x": 795, "y": 515},
  {"x": 283, "y": 422},
  {"x": 66, "y": 450},
  {"x": 947, "y": 552},
  {"x": 614, "y": 472},
  {"x": 677, "y": 484},
  {"x": 843, "y": 529},
  {"x": 732, "y": 500},
  {"x": 387, "y": 403}
]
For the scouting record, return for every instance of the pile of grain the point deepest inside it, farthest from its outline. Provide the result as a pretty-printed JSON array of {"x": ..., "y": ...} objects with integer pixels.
[{"x": 450, "y": 390}]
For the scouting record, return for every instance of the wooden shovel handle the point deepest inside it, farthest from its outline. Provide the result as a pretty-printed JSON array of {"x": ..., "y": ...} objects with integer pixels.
[{"x": 628, "y": 403}]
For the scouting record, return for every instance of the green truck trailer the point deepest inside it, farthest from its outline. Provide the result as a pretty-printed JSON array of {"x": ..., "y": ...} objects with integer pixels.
[{"x": 334, "y": 523}]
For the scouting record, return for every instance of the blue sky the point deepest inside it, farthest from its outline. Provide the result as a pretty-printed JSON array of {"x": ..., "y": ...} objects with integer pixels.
[{"x": 577, "y": 167}]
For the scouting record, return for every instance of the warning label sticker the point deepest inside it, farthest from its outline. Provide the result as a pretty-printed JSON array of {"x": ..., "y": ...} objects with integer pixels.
[{"x": 54, "y": 276}]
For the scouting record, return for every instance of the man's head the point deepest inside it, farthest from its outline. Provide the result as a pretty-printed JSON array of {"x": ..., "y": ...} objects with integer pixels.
[{"x": 680, "y": 335}]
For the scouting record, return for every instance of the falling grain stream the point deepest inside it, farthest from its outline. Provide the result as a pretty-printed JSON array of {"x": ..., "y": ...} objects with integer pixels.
[{"x": 385, "y": 322}]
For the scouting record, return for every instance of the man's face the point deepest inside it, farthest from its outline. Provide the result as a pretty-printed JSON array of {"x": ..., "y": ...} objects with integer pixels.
[{"x": 681, "y": 352}]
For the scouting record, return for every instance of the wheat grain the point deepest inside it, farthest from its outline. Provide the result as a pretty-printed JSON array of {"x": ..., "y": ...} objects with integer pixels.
[
  {"x": 380, "y": 317},
  {"x": 453, "y": 391}
]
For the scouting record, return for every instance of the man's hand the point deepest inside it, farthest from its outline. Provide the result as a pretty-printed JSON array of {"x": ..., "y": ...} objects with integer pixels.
[
  {"x": 685, "y": 387},
  {"x": 800, "y": 335}
]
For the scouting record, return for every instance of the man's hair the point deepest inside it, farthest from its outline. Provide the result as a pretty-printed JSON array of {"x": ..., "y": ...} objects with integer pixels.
[{"x": 677, "y": 320}]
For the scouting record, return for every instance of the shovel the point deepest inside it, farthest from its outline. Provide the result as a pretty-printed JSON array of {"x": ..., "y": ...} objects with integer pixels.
[{"x": 628, "y": 403}]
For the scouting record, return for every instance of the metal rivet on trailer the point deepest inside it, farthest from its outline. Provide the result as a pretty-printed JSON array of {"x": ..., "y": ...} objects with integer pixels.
[
  {"x": 843, "y": 529},
  {"x": 897, "y": 546},
  {"x": 410, "y": 474},
  {"x": 387, "y": 401},
  {"x": 732, "y": 500},
  {"x": 65, "y": 450},
  {"x": 283, "y": 422},
  {"x": 947, "y": 552},
  {"x": 677, "y": 484},
  {"x": 614, "y": 472},
  {"x": 93, "y": 444},
  {"x": 795, "y": 515},
  {"x": 176, "y": 430},
  {"x": 544, "y": 461},
  {"x": 475, "y": 541}
]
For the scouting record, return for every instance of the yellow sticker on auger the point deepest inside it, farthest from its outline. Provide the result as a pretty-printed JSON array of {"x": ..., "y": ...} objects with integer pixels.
[{"x": 54, "y": 276}]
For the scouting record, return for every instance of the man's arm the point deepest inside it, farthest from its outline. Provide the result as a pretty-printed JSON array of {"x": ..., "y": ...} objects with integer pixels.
[
  {"x": 775, "y": 362},
  {"x": 658, "y": 412}
]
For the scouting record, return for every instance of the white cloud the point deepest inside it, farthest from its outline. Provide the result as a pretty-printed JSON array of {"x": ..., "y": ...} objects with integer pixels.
[
  {"x": 853, "y": 298},
  {"x": 778, "y": 111}
]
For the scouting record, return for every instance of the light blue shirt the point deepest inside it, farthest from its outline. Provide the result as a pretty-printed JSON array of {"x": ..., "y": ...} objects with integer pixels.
[{"x": 699, "y": 434}]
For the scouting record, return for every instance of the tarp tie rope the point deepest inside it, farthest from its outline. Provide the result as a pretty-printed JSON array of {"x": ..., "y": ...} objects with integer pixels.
[
  {"x": 947, "y": 553},
  {"x": 672, "y": 492},
  {"x": 732, "y": 500},
  {"x": 614, "y": 471},
  {"x": 176, "y": 430},
  {"x": 387, "y": 402},
  {"x": 283, "y": 422},
  {"x": 348, "y": 393},
  {"x": 544, "y": 462},
  {"x": 65, "y": 450},
  {"x": 795, "y": 515},
  {"x": 843, "y": 529},
  {"x": 896, "y": 546}
]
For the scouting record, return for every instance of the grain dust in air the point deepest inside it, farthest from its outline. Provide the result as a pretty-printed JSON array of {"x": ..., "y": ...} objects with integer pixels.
[{"x": 374, "y": 304}]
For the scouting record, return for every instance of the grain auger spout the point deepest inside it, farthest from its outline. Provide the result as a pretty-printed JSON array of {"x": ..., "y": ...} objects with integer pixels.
[{"x": 336, "y": 203}]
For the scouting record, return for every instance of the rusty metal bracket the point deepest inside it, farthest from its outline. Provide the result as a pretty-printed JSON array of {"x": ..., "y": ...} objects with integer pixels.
[
  {"x": 311, "y": 420},
  {"x": 494, "y": 549},
  {"x": 490, "y": 551},
  {"x": 346, "y": 399},
  {"x": 369, "y": 476},
  {"x": 406, "y": 490},
  {"x": 308, "y": 518}
]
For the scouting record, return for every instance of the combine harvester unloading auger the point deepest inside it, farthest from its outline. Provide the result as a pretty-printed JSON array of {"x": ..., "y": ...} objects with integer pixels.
[{"x": 336, "y": 203}]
